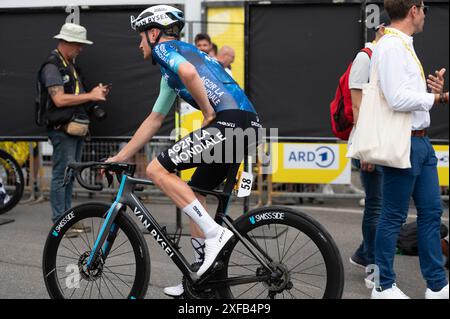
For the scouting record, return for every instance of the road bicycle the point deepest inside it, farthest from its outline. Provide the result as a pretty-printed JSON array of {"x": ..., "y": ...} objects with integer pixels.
[
  {"x": 11, "y": 182},
  {"x": 276, "y": 252}
]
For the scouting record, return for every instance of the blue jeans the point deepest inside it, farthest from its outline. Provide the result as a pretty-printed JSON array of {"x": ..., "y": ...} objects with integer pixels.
[
  {"x": 421, "y": 182},
  {"x": 372, "y": 183},
  {"x": 66, "y": 149}
]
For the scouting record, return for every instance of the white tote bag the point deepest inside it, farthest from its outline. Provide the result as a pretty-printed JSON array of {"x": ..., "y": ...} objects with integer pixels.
[{"x": 382, "y": 136}]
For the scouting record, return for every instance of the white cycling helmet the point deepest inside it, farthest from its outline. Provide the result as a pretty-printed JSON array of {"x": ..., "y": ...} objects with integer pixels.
[{"x": 161, "y": 17}]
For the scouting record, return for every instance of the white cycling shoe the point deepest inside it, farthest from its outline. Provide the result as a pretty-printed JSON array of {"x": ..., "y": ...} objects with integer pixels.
[
  {"x": 174, "y": 292},
  {"x": 213, "y": 247},
  {"x": 178, "y": 291}
]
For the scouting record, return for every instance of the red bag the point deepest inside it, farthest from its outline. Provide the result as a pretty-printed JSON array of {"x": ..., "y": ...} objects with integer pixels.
[{"x": 341, "y": 107}]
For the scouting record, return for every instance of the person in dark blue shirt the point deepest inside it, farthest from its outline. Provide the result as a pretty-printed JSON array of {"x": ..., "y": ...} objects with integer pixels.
[{"x": 230, "y": 121}]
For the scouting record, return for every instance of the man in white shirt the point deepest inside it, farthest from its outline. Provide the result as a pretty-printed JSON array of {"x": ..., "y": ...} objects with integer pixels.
[{"x": 403, "y": 82}]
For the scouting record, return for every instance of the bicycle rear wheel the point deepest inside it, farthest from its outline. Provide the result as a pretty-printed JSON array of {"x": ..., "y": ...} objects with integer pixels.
[
  {"x": 11, "y": 182},
  {"x": 124, "y": 273},
  {"x": 299, "y": 247}
]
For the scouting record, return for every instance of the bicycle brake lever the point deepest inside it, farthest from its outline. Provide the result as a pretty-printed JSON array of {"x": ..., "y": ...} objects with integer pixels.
[{"x": 109, "y": 177}]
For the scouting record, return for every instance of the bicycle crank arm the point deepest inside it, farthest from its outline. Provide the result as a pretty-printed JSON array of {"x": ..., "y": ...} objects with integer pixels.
[{"x": 213, "y": 284}]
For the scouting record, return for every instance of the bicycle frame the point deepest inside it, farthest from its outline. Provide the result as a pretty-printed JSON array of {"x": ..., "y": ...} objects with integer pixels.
[{"x": 126, "y": 198}]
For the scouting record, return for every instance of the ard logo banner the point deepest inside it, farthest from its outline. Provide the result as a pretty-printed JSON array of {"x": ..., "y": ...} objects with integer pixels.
[{"x": 311, "y": 163}]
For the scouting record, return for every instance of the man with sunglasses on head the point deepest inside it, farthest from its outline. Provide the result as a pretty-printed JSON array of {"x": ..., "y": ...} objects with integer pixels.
[
  {"x": 203, "y": 83},
  {"x": 404, "y": 85}
]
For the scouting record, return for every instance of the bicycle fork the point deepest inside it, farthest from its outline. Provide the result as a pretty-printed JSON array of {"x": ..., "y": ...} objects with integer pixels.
[{"x": 108, "y": 231}]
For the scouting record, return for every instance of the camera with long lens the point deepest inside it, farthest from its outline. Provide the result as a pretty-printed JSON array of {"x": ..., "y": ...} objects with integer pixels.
[{"x": 97, "y": 112}]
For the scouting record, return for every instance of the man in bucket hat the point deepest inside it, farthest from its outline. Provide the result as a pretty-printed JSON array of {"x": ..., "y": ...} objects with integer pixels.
[{"x": 66, "y": 101}]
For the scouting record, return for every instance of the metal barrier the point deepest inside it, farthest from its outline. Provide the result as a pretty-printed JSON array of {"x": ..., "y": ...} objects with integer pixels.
[
  {"x": 38, "y": 168},
  {"x": 268, "y": 192}
]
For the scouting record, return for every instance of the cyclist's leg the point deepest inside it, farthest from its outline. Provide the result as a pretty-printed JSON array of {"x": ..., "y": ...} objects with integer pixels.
[
  {"x": 206, "y": 177},
  {"x": 193, "y": 151}
]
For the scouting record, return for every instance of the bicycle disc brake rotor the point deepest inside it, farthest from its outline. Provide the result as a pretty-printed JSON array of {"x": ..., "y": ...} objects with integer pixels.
[{"x": 90, "y": 274}]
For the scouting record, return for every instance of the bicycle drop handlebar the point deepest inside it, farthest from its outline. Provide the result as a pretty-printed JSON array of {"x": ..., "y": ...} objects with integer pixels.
[{"x": 108, "y": 168}]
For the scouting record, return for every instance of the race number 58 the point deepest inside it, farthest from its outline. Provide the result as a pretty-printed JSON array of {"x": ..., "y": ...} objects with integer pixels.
[{"x": 245, "y": 184}]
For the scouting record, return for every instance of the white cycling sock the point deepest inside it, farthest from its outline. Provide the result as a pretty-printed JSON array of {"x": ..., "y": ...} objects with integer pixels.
[
  {"x": 199, "y": 249},
  {"x": 200, "y": 216}
]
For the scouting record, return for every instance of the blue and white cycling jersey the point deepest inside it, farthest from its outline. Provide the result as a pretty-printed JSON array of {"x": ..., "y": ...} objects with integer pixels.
[{"x": 223, "y": 91}]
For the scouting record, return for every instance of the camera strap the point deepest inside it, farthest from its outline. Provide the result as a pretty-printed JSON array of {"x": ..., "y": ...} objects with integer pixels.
[{"x": 73, "y": 71}]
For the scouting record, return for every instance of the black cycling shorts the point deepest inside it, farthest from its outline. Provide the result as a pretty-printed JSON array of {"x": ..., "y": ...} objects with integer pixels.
[{"x": 214, "y": 148}]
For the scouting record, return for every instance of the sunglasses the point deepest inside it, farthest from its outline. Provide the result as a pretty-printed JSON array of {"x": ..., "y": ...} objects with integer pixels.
[{"x": 425, "y": 8}]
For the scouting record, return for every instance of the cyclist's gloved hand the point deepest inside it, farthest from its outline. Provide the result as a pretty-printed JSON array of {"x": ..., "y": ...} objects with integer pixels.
[
  {"x": 107, "y": 174},
  {"x": 114, "y": 159}
]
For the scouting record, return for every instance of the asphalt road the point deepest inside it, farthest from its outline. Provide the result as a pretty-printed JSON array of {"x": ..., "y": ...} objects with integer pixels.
[{"x": 22, "y": 242}]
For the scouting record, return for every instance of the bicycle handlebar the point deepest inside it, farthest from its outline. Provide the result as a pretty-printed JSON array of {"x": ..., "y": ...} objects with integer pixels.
[{"x": 117, "y": 168}]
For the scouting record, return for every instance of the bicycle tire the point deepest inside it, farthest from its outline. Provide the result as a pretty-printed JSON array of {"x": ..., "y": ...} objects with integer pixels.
[
  {"x": 13, "y": 172},
  {"x": 304, "y": 224},
  {"x": 126, "y": 225}
]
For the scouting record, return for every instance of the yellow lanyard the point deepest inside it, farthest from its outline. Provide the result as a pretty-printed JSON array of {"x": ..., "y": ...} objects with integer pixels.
[
  {"x": 74, "y": 72},
  {"x": 414, "y": 55}
]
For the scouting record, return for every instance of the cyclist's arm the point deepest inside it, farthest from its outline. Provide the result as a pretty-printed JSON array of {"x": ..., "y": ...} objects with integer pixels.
[
  {"x": 191, "y": 79},
  {"x": 151, "y": 125},
  {"x": 174, "y": 61}
]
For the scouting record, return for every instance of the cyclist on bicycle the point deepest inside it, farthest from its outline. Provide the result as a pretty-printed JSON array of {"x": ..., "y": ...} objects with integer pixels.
[{"x": 204, "y": 84}]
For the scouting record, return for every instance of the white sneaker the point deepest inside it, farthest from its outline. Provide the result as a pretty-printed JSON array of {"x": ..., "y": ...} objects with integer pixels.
[
  {"x": 213, "y": 247},
  {"x": 370, "y": 284},
  {"x": 441, "y": 294},
  {"x": 391, "y": 293},
  {"x": 362, "y": 202},
  {"x": 174, "y": 292}
]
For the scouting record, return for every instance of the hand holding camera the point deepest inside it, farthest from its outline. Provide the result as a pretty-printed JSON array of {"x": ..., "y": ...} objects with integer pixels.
[
  {"x": 108, "y": 88},
  {"x": 98, "y": 93}
]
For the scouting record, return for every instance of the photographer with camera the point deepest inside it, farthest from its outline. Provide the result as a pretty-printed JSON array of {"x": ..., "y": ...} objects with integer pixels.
[{"x": 65, "y": 107}]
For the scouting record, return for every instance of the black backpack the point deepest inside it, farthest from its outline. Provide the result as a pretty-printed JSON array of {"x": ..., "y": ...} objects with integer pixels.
[
  {"x": 407, "y": 239},
  {"x": 41, "y": 105}
]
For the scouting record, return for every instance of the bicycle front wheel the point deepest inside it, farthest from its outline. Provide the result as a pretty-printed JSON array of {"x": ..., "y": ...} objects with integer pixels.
[
  {"x": 304, "y": 254},
  {"x": 11, "y": 182},
  {"x": 124, "y": 273}
]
